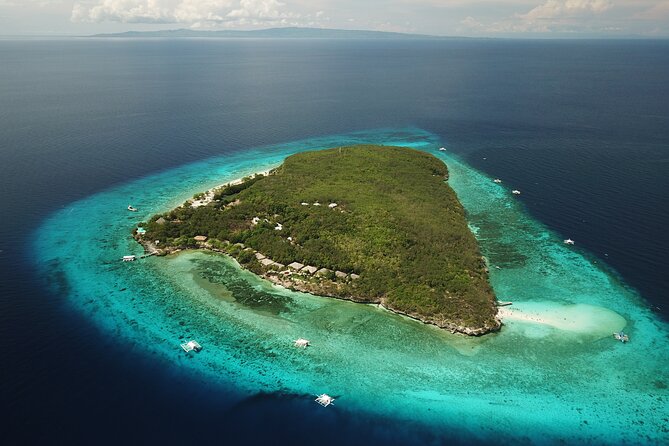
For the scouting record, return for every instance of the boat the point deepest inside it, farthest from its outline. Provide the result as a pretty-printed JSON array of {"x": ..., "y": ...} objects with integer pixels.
[
  {"x": 132, "y": 209},
  {"x": 191, "y": 346},
  {"x": 621, "y": 336},
  {"x": 515, "y": 192},
  {"x": 129, "y": 258},
  {"x": 442, "y": 149},
  {"x": 304, "y": 343},
  {"x": 324, "y": 400},
  {"x": 497, "y": 180},
  {"x": 568, "y": 241}
]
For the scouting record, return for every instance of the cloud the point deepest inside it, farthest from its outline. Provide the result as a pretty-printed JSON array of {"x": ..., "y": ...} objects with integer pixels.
[
  {"x": 570, "y": 16},
  {"x": 560, "y": 9},
  {"x": 195, "y": 13},
  {"x": 654, "y": 11}
]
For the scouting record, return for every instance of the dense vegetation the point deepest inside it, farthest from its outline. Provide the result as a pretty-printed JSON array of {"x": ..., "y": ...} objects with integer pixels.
[{"x": 396, "y": 223}]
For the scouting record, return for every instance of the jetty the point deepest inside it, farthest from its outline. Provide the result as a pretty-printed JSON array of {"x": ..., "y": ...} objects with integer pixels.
[
  {"x": 191, "y": 346},
  {"x": 129, "y": 258},
  {"x": 503, "y": 303},
  {"x": 324, "y": 400}
]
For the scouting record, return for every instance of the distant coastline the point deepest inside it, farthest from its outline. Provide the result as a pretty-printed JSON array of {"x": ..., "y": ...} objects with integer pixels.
[{"x": 276, "y": 33}]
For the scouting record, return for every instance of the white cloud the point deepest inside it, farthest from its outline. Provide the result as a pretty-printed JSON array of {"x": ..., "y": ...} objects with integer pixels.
[
  {"x": 558, "y": 9},
  {"x": 571, "y": 16},
  {"x": 654, "y": 11},
  {"x": 195, "y": 13}
]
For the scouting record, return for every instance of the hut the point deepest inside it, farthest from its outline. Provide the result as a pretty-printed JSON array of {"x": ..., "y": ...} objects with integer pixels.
[
  {"x": 161, "y": 221},
  {"x": 296, "y": 266},
  {"x": 266, "y": 262},
  {"x": 200, "y": 238},
  {"x": 355, "y": 276},
  {"x": 340, "y": 275},
  {"x": 309, "y": 269},
  {"x": 259, "y": 256},
  {"x": 323, "y": 272}
]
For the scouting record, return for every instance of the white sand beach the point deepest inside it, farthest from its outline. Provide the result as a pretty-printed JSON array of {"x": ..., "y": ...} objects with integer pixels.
[
  {"x": 209, "y": 195},
  {"x": 580, "y": 318}
]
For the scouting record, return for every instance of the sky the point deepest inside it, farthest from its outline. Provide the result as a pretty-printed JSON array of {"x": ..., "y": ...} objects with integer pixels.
[{"x": 474, "y": 18}]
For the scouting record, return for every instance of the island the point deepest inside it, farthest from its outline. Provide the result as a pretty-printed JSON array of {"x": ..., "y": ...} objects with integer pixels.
[{"x": 371, "y": 224}]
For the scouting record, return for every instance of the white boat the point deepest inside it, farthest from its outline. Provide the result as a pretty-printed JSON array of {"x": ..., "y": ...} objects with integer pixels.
[
  {"x": 515, "y": 192},
  {"x": 132, "y": 209},
  {"x": 442, "y": 149},
  {"x": 324, "y": 400},
  {"x": 568, "y": 241},
  {"x": 304, "y": 343},
  {"x": 497, "y": 180},
  {"x": 621, "y": 336},
  {"x": 191, "y": 346}
]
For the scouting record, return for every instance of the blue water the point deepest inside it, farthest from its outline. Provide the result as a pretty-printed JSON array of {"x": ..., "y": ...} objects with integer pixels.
[{"x": 580, "y": 128}]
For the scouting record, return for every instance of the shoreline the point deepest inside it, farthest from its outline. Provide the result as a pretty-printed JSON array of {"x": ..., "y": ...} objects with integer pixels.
[
  {"x": 208, "y": 195},
  {"x": 284, "y": 281}
]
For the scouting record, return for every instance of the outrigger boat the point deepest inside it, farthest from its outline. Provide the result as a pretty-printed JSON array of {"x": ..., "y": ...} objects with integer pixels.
[
  {"x": 324, "y": 400},
  {"x": 191, "y": 346},
  {"x": 304, "y": 343},
  {"x": 621, "y": 336}
]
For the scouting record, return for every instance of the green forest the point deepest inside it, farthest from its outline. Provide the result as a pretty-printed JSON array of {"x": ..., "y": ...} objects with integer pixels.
[{"x": 384, "y": 213}]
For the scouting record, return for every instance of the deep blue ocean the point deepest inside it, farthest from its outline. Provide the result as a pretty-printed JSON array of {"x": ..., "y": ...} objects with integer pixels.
[{"x": 581, "y": 127}]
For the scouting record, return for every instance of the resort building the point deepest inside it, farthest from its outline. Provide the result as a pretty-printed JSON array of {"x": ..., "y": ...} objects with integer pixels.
[
  {"x": 309, "y": 269},
  {"x": 296, "y": 266}
]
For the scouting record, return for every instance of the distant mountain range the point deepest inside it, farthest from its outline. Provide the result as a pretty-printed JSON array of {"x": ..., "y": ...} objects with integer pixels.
[{"x": 280, "y": 33}]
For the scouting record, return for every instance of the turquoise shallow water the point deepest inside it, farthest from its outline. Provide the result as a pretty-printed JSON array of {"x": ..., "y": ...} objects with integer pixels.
[{"x": 544, "y": 383}]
